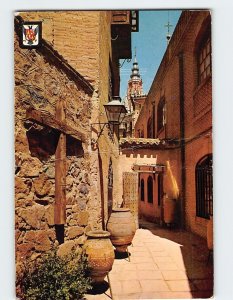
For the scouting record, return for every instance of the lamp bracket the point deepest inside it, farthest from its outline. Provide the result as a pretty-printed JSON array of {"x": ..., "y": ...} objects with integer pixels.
[{"x": 102, "y": 126}]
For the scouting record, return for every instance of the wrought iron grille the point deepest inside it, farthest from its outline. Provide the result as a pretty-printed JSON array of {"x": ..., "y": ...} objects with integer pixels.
[{"x": 204, "y": 187}]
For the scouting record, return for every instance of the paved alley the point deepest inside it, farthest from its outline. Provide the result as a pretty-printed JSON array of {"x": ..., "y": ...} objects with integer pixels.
[{"x": 164, "y": 264}]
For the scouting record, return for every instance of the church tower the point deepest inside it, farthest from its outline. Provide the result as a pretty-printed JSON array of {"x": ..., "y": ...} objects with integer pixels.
[
  {"x": 134, "y": 100},
  {"x": 135, "y": 88}
]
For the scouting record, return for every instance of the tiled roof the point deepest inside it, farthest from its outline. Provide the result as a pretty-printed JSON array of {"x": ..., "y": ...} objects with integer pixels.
[
  {"x": 130, "y": 142},
  {"x": 139, "y": 141}
]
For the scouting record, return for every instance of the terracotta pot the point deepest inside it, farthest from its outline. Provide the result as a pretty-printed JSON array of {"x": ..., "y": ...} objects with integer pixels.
[
  {"x": 210, "y": 234},
  {"x": 100, "y": 254},
  {"x": 122, "y": 228},
  {"x": 169, "y": 207}
]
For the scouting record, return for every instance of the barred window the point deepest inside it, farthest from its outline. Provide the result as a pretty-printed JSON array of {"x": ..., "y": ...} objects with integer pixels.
[
  {"x": 150, "y": 189},
  {"x": 204, "y": 187},
  {"x": 204, "y": 60}
]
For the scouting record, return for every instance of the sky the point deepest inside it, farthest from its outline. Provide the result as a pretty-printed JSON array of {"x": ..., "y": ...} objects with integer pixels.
[{"x": 150, "y": 43}]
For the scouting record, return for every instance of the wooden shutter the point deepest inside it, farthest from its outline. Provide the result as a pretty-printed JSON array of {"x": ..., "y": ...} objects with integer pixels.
[{"x": 130, "y": 193}]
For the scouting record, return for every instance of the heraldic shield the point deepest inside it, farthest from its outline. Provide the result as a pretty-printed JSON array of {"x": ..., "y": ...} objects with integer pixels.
[{"x": 31, "y": 35}]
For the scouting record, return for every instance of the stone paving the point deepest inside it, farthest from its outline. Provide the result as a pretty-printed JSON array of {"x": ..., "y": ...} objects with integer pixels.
[{"x": 164, "y": 264}]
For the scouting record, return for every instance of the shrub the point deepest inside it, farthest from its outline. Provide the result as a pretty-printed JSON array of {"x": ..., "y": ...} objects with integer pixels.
[{"x": 56, "y": 278}]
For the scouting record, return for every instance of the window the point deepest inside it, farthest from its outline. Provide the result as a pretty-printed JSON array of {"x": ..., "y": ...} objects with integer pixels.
[
  {"x": 204, "y": 187},
  {"x": 161, "y": 115},
  {"x": 150, "y": 189},
  {"x": 149, "y": 128},
  {"x": 142, "y": 189},
  {"x": 204, "y": 60},
  {"x": 203, "y": 51}
]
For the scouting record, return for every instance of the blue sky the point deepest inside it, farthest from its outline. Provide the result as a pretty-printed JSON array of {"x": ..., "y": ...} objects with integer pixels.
[{"x": 150, "y": 43}]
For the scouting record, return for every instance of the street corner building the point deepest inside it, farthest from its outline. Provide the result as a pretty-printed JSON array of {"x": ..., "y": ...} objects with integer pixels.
[
  {"x": 66, "y": 153},
  {"x": 167, "y": 139}
]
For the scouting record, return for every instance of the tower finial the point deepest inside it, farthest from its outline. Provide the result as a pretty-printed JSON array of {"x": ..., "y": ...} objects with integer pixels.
[
  {"x": 168, "y": 25},
  {"x": 135, "y": 59}
]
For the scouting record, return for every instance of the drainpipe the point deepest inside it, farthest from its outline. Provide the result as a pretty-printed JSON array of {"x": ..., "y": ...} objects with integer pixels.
[{"x": 182, "y": 139}]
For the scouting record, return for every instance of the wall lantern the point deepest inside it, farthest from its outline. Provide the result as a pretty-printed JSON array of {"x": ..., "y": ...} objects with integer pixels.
[{"x": 115, "y": 112}]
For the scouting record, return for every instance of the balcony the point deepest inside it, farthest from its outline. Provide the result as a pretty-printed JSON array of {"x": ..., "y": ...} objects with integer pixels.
[{"x": 123, "y": 23}]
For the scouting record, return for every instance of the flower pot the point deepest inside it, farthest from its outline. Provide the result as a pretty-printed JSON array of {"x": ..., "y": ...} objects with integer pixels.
[
  {"x": 100, "y": 253},
  {"x": 122, "y": 228},
  {"x": 210, "y": 234},
  {"x": 169, "y": 207}
]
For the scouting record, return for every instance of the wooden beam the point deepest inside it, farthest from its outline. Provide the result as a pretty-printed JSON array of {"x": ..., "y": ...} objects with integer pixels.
[
  {"x": 60, "y": 170},
  {"x": 120, "y": 17},
  {"x": 60, "y": 181},
  {"x": 45, "y": 118}
]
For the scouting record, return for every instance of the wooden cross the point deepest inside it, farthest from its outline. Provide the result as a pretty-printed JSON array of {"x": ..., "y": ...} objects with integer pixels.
[{"x": 58, "y": 123}]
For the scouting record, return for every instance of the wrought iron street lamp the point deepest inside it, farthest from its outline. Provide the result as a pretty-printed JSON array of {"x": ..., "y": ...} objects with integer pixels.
[{"x": 115, "y": 112}]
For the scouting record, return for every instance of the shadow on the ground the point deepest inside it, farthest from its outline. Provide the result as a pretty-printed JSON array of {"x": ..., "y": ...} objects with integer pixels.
[
  {"x": 99, "y": 288},
  {"x": 195, "y": 256},
  {"x": 122, "y": 255}
]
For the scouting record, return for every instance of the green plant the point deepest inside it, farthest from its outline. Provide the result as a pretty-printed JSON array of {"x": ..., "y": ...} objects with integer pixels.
[{"x": 56, "y": 278}]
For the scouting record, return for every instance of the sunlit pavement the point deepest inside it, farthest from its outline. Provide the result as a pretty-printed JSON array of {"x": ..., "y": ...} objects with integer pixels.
[{"x": 164, "y": 264}]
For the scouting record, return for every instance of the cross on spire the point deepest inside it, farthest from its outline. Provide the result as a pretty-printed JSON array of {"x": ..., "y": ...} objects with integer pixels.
[{"x": 168, "y": 25}]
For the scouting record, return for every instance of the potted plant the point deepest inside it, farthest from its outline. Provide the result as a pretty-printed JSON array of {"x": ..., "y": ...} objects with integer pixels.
[{"x": 55, "y": 277}]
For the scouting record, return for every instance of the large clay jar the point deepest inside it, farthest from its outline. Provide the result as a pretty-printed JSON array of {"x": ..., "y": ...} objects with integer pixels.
[
  {"x": 122, "y": 228},
  {"x": 210, "y": 234},
  {"x": 169, "y": 207},
  {"x": 100, "y": 254}
]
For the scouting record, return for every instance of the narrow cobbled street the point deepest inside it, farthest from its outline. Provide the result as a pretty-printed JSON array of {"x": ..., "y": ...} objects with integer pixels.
[{"x": 164, "y": 263}]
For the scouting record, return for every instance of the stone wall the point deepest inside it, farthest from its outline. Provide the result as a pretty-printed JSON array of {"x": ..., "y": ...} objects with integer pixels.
[
  {"x": 39, "y": 84},
  {"x": 75, "y": 35}
]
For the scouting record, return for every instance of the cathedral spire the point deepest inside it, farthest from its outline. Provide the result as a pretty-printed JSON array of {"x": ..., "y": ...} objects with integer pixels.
[{"x": 135, "y": 70}]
